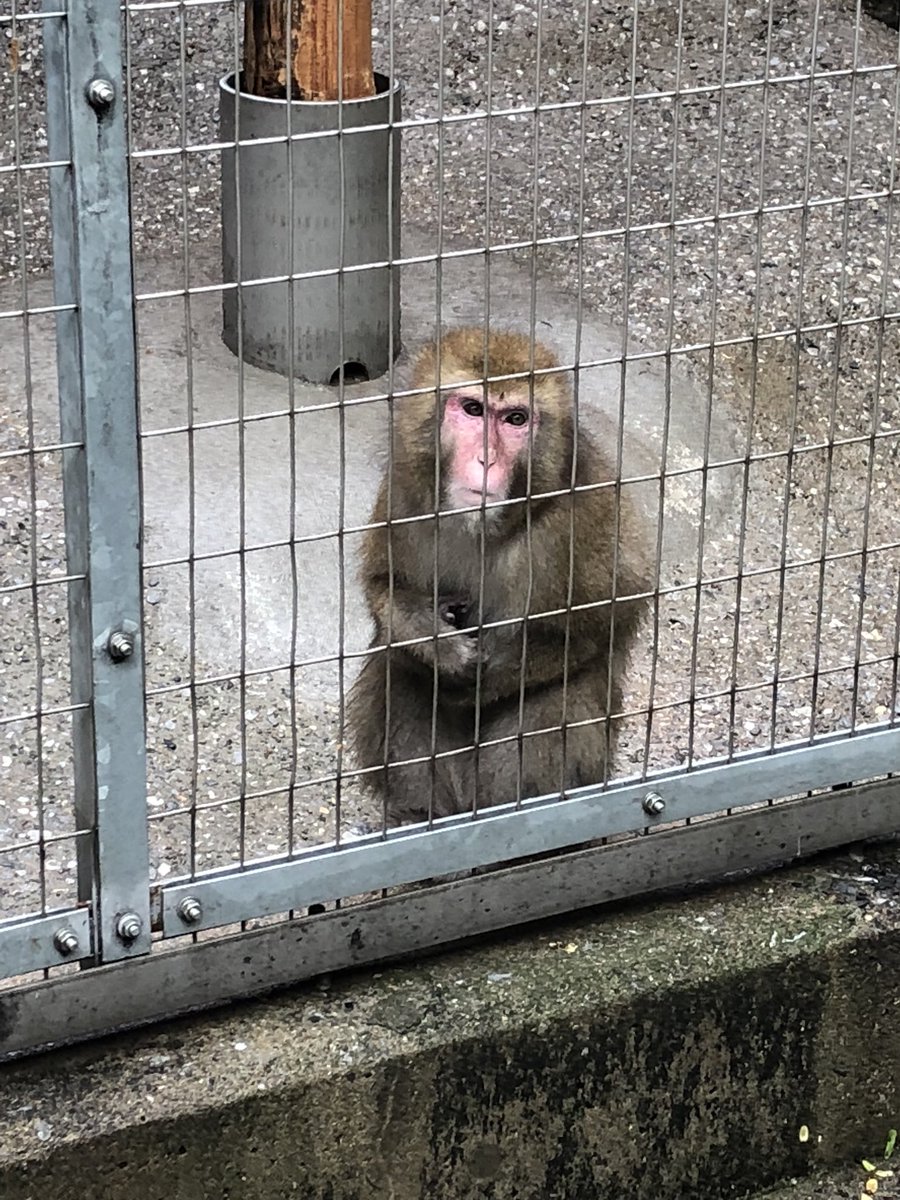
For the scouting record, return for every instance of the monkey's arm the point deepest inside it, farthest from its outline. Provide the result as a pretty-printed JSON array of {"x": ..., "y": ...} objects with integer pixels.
[
  {"x": 545, "y": 655},
  {"x": 548, "y": 654},
  {"x": 405, "y": 614},
  {"x": 399, "y": 593},
  {"x": 595, "y": 636}
]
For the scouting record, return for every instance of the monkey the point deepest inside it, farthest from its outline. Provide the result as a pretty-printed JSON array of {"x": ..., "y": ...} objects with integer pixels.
[{"x": 489, "y": 629}]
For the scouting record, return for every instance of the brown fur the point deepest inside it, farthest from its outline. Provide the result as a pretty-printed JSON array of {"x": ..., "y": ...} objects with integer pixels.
[{"x": 537, "y": 765}]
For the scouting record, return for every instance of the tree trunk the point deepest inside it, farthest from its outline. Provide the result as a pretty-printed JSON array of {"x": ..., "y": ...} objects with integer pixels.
[{"x": 313, "y": 49}]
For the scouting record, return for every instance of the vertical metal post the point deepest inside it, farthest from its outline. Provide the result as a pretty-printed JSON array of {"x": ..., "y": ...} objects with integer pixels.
[{"x": 98, "y": 410}]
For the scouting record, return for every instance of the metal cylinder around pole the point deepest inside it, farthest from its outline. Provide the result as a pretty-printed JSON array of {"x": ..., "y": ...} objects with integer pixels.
[{"x": 255, "y": 197}]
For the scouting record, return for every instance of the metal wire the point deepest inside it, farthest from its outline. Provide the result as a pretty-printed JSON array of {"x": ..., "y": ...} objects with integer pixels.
[
  {"x": 877, "y": 411},
  {"x": 752, "y": 399},
  {"x": 242, "y": 462},
  {"x": 617, "y": 491},
  {"x": 710, "y": 390},
  {"x": 393, "y": 338},
  {"x": 532, "y": 328},
  {"x": 438, "y": 341},
  {"x": 576, "y": 398},
  {"x": 342, "y": 430},
  {"x": 292, "y": 451},
  {"x": 664, "y": 433},
  {"x": 832, "y": 416}
]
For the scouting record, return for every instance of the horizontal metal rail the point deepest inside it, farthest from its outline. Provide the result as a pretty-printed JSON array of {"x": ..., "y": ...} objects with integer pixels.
[
  {"x": 549, "y": 823},
  {"x": 34, "y": 943}
]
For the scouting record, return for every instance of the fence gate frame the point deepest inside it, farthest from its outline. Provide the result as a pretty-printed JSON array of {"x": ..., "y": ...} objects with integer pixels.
[
  {"x": 97, "y": 377},
  {"x": 98, "y": 410},
  {"x": 109, "y": 929}
]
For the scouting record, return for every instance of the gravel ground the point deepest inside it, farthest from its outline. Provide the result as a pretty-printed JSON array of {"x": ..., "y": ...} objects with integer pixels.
[{"x": 817, "y": 415}]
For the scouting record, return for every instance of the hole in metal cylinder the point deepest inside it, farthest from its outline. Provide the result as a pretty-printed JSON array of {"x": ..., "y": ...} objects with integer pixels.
[{"x": 354, "y": 372}]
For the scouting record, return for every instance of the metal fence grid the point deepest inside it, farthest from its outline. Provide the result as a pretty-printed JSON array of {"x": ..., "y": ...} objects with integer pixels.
[{"x": 696, "y": 205}]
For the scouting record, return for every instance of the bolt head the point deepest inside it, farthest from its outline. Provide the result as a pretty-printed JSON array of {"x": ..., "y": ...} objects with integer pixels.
[
  {"x": 129, "y": 927},
  {"x": 190, "y": 910},
  {"x": 65, "y": 941},
  {"x": 100, "y": 94}
]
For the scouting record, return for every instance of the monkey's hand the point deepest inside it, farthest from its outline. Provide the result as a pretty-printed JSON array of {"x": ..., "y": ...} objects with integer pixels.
[
  {"x": 458, "y": 612},
  {"x": 457, "y": 657},
  {"x": 410, "y": 619}
]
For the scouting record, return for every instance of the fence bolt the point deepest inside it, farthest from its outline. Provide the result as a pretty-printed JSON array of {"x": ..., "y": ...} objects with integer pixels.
[
  {"x": 653, "y": 804},
  {"x": 129, "y": 926},
  {"x": 190, "y": 910},
  {"x": 65, "y": 940},
  {"x": 120, "y": 646},
  {"x": 100, "y": 94}
]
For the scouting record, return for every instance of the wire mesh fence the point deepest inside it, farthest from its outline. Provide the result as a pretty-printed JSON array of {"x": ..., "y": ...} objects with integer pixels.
[{"x": 693, "y": 209}]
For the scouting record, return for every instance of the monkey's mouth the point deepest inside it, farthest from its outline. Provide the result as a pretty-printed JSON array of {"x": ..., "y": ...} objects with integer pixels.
[
  {"x": 462, "y": 497},
  {"x": 477, "y": 496}
]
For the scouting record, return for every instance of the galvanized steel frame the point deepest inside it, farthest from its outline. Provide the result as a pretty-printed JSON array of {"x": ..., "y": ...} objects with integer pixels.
[
  {"x": 503, "y": 832},
  {"x": 98, "y": 412}
]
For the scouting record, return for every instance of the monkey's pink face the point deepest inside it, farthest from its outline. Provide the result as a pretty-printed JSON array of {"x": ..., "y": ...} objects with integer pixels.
[{"x": 485, "y": 442}]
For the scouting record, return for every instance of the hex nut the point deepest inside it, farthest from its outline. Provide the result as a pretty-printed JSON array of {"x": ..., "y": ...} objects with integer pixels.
[
  {"x": 120, "y": 645},
  {"x": 129, "y": 926},
  {"x": 66, "y": 941},
  {"x": 190, "y": 910},
  {"x": 100, "y": 94},
  {"x": 653, "y": 804}
]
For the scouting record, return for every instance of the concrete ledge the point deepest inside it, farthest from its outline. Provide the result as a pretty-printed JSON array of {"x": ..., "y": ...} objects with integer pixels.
[{"x": 663, "y": 1052}]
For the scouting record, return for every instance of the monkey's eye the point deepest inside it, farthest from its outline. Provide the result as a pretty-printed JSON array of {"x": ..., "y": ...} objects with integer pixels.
[
  {"x": 473, "y": 408},
  {"x": 517, "y": 417}
]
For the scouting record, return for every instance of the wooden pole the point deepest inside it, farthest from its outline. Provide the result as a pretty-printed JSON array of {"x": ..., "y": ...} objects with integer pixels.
[{"x": 313, "y": 48}]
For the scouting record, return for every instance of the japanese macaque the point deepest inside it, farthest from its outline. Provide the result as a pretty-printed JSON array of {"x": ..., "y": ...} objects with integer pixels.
[{"x": 465, "y": 667}]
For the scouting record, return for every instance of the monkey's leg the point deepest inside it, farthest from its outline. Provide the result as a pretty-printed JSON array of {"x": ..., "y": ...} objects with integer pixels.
[
  {"x": 566, "y": 756},
  {"x": 408, "y": 790}
]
